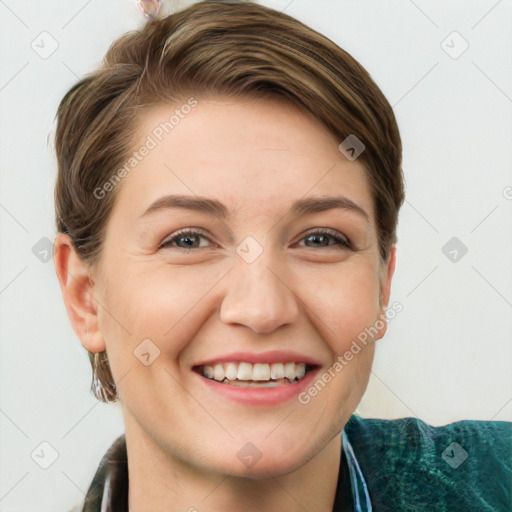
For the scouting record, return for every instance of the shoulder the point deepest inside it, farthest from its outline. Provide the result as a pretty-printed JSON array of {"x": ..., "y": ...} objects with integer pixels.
[
  {"x": 109, "y": 485},
  {"x": 411, "y": 465}
]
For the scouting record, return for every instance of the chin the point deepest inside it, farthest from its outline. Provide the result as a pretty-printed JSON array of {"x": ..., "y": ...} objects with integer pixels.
[
  {"x": 259, "y": 461},
  {"x": 264, "y": 470}
]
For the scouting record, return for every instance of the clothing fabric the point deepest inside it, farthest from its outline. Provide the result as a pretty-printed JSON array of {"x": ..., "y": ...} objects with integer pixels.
[{"x": 385, "y": 466}]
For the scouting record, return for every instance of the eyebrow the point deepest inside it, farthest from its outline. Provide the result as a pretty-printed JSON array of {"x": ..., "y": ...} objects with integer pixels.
[{"x": 215, "y": 208}]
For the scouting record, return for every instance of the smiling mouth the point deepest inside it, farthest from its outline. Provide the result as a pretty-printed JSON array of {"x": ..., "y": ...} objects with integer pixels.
[{"x": 264, "y": 375}]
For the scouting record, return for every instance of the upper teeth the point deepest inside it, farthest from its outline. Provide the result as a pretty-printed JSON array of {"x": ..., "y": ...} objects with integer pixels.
[{"x": 258, "y": 371}]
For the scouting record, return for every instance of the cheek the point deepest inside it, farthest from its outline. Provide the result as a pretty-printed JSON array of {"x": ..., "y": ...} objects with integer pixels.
[
  {"x": 160, "y": 304},
  {"x": 344, "y": 302}
]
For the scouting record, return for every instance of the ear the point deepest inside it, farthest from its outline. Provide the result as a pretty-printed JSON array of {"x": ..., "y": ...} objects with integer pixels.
[
  {"x": 77, "y": 286},
  {"x": 385, "y": 290}
]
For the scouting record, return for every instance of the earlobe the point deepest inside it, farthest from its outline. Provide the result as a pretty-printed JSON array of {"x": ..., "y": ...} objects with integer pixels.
[{"x": 77, "y": 288}]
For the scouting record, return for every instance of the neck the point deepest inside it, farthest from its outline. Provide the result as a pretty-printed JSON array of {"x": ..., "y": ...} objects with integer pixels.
[{"x": 158, "y": 480}]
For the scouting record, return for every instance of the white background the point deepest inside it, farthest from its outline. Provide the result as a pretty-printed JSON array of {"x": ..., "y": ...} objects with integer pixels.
[{"x": 447, "y": 356}]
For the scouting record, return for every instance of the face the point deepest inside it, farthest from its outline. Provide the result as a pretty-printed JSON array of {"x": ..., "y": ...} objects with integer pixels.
[{"x": 250, "y": 286}]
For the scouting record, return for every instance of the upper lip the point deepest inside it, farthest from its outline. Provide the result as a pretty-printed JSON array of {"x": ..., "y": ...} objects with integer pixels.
[{"x": 273, "y": 356}]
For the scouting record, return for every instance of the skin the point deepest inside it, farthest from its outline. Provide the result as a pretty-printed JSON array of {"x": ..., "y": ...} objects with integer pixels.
[{"x": 300, "y": 294}]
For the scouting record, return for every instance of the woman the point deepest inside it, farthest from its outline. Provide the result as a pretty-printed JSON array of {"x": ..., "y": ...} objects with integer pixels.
[{"x": 227, "y": 201}]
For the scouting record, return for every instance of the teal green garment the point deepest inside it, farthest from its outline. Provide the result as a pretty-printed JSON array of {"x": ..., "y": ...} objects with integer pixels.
[
  {"x": 406, "y": 466},
  {"x": 411, "y": 466}
]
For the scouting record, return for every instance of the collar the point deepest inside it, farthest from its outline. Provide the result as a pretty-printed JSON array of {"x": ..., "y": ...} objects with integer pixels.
[{"x": 360, "y": 494}]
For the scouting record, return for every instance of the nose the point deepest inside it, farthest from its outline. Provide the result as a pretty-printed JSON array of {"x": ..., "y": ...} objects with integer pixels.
[{"x": 259, "y": 297}]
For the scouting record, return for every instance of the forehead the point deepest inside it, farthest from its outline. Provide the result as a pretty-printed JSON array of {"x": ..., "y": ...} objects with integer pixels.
[{"x": 249, "y": 154}]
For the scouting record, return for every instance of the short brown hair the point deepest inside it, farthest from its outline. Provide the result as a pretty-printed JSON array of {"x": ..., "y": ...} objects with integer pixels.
[{"x": 238, "y": 49}]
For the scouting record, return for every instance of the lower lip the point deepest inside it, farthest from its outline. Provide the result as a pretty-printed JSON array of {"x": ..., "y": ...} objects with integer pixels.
[{"x": 261, "y": 396}]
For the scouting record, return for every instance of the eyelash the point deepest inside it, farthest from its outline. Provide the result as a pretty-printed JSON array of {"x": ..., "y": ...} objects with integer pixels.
[{"x": 193, "y": 232}]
